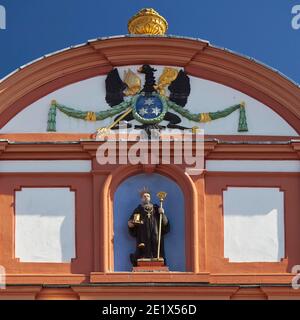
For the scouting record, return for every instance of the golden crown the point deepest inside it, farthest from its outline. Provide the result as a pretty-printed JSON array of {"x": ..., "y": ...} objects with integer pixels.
[
  {"x": 147, "y": 21},
  {"x": 144, "y": 190}
]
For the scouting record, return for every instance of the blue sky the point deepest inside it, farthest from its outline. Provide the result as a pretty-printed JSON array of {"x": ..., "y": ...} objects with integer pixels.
[{"x": 259, "y": 28}]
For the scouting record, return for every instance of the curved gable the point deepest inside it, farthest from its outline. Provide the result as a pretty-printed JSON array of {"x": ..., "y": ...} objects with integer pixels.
[{"x": 220, "y": 72}]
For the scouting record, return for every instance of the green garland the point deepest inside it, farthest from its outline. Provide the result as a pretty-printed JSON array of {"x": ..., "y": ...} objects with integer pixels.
[
  {"x": 205, "y": 117},
  {"x": 101, "y": 115},
  {"x": 83, "y": 115}
]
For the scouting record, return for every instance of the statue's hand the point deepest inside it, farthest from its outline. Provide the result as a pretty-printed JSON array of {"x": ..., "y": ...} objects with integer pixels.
[
  {"x": 131, "y": 224},
  {"x": 161, "y": 210}
]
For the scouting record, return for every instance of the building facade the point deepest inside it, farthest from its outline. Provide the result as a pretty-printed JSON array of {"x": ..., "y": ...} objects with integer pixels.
[{"x": 63, "y": 214}]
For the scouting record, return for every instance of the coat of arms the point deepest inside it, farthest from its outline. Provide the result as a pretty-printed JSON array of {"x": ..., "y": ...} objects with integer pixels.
[{"x": 149, "y": 104}]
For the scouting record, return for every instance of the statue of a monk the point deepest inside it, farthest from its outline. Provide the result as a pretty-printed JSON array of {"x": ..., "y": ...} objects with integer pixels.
[{"x": 143, "y": 224}]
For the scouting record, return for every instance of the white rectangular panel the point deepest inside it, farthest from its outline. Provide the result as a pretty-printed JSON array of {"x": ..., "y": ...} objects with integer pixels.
[
  {"x": 45, "y": 166},
  {"x": 253, "y": 165},
  {"x": 45, "y": 225},
  {"x": 253, "y": 224}
]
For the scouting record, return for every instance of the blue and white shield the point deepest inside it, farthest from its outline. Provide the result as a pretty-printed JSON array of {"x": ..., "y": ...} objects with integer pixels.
[{"x": 149, "y": 109}]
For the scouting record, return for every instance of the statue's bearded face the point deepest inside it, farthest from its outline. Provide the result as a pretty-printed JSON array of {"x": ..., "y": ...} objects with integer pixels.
[{"x": 146, "y": 198}]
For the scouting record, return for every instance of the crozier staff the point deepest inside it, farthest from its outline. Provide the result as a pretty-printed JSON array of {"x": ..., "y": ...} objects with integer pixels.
[{"x": 144, "y": 224}]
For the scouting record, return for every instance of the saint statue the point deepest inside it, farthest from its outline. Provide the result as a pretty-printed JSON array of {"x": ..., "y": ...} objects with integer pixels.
[{"x": 148, "y": 224}]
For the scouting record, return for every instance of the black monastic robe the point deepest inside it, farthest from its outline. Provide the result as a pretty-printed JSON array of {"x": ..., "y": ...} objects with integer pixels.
[{"x": 147, "y": 233}]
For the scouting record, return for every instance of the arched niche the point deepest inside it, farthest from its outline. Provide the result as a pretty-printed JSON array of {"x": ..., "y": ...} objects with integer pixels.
[{"x": 126, "y": 198}]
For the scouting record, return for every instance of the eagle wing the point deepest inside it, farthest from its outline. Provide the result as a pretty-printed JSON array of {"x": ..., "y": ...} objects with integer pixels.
[
  {"x": 114, "y": 88},
  {"x": 168, "y": 75},
  {"x": 133, "y": 82},
  {"x": 180, "y": 89}
]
